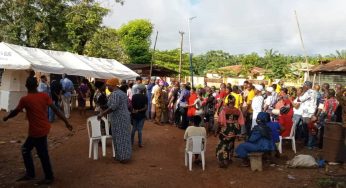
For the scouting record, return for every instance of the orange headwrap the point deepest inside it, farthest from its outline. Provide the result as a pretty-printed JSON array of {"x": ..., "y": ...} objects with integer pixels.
[{"x": 113, "y": 82}]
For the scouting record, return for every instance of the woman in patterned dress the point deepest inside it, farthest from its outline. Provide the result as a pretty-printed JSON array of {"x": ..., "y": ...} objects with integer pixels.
[
  {"x": 119, "y": 117},
  {"x": 230, "y": 121}
]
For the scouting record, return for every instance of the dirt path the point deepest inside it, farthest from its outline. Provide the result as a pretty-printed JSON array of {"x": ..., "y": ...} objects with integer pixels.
[{"x": 160, "y": 163}]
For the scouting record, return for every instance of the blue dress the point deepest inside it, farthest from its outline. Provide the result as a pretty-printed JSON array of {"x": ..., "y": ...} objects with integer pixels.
[
  {"x": 121, "y": 125},
  {"x": 257, "y": 142}
]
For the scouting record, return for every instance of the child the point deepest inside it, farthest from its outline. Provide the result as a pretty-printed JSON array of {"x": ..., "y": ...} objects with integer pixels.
[
  {"x": 312, "y": 127},
  {"x": 230, "y": 121}
]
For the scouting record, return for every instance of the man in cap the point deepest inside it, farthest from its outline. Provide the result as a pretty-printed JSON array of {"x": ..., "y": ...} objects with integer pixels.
[{"x": 309, "y": 105}]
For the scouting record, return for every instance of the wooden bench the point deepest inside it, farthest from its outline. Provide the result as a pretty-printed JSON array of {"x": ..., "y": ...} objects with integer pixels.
[{"x": 256, "y": 161}]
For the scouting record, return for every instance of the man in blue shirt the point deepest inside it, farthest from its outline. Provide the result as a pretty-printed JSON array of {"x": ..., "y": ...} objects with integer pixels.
[{"x": 67, "y": 89}]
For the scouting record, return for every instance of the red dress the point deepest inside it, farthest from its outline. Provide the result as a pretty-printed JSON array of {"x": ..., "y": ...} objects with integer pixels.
[
  {"x": 191, "y": 111},
  {"x": 286, "y": 119}
]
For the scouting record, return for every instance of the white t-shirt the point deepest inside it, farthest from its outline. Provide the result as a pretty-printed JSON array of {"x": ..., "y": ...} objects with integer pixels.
[
  {"x": 309, "y": 103},
  {"x": 299, "y": 110},
  {"x": 257, "y": 104}
]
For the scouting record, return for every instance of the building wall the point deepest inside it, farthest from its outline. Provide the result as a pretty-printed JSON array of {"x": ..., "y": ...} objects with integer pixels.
[{"x": 331, "y": 78}]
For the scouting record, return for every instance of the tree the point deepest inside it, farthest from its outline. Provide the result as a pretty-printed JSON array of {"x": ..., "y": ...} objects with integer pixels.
[
  {"x": 33, "y": 23},
  {"x": 105, "y": 43},
  {"x": 170, "y": 59},
  {"x": 135, "y": 39},
  {"x": 82, "y": 21}
]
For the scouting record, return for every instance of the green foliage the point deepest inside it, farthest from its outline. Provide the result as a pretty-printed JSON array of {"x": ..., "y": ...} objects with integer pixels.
[
  {"x": 211, "y": 60},
  {"x": 33, "y": 23},
  {"x": 135, "y": 39},
  {"x": 105, "y": 43},
  {"x": 170, "y": 59},
  {"x": 82, "y": 21}
]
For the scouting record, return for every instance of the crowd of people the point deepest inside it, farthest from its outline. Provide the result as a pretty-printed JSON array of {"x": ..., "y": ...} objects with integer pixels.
[{"x": 259, "y": 114}]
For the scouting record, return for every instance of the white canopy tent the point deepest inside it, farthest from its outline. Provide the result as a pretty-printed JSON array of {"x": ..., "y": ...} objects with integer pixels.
[
  {"x": 15, "y": 60},
  {"x": 16, "y": 57}
]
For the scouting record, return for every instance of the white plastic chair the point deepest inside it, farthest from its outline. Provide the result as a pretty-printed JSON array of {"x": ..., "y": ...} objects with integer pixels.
[
  {"x": 105, "y": 137},
  {"x": 199, "y": 144},
  {"x": 94, "y": 133},
  {"x": 95, "y": 136},
  {"x": 291, "y": 137}
]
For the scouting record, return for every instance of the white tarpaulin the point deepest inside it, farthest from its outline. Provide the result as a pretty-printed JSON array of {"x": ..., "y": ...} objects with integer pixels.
[{"x": 20, "y": 58}]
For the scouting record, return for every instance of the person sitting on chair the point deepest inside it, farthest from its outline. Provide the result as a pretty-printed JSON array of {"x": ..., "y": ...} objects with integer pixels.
[
  {"x": 195, "y": 130},
  {"x": 260, "y": 139}
]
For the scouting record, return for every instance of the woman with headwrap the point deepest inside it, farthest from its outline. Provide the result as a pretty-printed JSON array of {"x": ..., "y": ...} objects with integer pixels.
[
  {"x": 230, "y": 120},
  {"x": 260, "y": 139},
  {"x": 119, "y": 118}
]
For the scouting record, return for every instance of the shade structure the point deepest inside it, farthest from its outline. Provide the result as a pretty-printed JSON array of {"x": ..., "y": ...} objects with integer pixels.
[{"x": 49, "y": 61}]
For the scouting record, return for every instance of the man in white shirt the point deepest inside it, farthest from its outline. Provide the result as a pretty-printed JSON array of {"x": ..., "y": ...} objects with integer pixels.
[
  {"x": 309, "y": 105},
  {"x": 257, "y": 104},
  {"x": 269, "y": 100}
]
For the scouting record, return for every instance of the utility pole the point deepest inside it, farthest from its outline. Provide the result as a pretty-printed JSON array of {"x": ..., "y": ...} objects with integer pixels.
[
  {"x": 303, "y": 47},
  {"x": 153, "y": 57},
  {"x": 181, "y": 53},
  {"x": 190, "y": 57}
]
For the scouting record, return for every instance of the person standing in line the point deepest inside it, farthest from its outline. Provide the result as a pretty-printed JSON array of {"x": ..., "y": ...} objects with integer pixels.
[
  {"x": 159, "y": 103},
  {"x": 91, "y": 86},
  {"x": 67, "y": 89},
  {"x": 119, "y": 118},
  {"x": 257, "y": 104},
  {"x": 44, "y": 87},
  {"x": 149, "y": 94},
  {"x": 83, "y": 91},
  {"x": 309, "y": 105},
  {"x": 139, "y": 107},
  {"x": 153, "y": 102},
  {"x": 55, "y": 93},
  {"x": 36, "y": 106},
  {"x": 138, "y": 87}
]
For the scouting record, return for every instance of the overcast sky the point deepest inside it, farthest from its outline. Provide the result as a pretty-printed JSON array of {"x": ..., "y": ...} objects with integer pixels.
[{"x": 239, "y": 26}]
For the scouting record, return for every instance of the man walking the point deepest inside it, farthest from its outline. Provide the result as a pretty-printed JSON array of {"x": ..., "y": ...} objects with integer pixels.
[
  {"x": 67, "y": 88},
  {"x": 36, "y": 106}
]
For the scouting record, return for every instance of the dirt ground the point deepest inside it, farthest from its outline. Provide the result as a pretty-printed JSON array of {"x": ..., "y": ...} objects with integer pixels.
[{"x": 160, "y": 163}]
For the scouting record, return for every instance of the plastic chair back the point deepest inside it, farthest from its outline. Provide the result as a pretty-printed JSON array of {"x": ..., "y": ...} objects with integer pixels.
[
  {"x": 198, "y": 143},
  {"x": 107, "y": 125},
  {"x": 94, "y": 127},
  {"x": 293, "y": 131}
]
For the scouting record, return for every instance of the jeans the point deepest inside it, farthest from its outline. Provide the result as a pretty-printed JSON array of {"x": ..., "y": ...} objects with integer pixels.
[
  {"x": 297, "y": 122},
  {"x": 138, "y": 125},
  {"x": 42, "y": 151},
  {"x": 312, "y": 141},
  {"x": 51, "y": 114}
]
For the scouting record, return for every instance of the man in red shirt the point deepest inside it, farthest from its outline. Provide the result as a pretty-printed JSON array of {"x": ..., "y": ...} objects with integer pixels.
[{"x": 36, "y": 106}]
